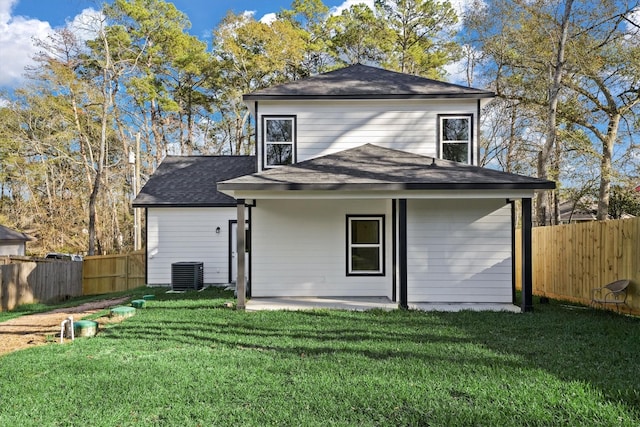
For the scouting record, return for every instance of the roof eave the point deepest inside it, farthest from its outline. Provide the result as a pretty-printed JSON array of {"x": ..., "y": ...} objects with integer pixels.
[
  {"x": 232, "y": 187},
  {"x": 280, "y": 97},
  {"x": 182, "y": 205}
]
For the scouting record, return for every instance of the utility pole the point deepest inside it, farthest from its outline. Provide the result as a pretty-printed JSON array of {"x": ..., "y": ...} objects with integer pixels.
[{"x": 134, "y": 161}]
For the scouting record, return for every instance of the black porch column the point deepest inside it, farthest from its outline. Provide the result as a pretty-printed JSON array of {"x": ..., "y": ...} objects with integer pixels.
[
  {"x": 240, "y": 254},
  {"x": 402, "y": 252},
  {"x": 527, "y": 269}
]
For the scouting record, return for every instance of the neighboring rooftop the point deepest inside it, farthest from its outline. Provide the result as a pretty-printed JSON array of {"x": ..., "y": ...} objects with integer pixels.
[
  {"x": 370, "y": 167},
  {"x": 9, "y": 235},
  {"x": 190, "y": 181},
  {"x": 569, "y": 212},
  {"x": 364, "y": 82}
]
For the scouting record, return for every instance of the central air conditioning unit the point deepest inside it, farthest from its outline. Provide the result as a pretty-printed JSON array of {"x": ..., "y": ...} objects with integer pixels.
[{"x": 186, "y": 276}]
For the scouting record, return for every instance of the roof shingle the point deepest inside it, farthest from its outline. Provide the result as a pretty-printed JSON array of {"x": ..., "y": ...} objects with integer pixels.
[
  {"x": 364, "y": 82},
  {"x": 9, "y": 235},
  {"x": 370, "y": 167},
  {"x": 190, "y": 181}
]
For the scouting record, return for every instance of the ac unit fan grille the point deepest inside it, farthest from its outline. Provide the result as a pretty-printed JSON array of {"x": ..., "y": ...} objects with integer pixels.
[{"x": 187, "y": 276}]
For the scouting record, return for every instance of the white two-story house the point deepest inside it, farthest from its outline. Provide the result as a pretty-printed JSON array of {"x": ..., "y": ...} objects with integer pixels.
[
  {"x": 367, "y": 184},
  {"x": 364, "y": 184}
]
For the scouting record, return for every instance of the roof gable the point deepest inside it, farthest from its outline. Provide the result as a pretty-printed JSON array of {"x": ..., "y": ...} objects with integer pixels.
[
  {"x": 364, "y": 82},
  {"x": 370, "y": 167},
  {"x": 190, "y": 181}
]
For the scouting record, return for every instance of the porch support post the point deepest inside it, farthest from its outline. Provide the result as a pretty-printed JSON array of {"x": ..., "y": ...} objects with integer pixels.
[
  {"x": 513, "y": 250},
  {"x": 527, "y": 269},
  {"x": 402, "y": 252},
  {"x": 240, "y": 251}
]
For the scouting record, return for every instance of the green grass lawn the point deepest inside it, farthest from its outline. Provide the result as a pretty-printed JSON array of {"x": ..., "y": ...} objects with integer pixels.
[{"x": 185, "y": 360}]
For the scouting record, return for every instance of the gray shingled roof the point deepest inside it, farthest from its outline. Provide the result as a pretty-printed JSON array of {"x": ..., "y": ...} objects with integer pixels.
[
  {"x": 370, "y": 167},
  {"x": 9, "y": 235},
  {"x": 365, "y": 82},
  {"x": 190, "y": 181}
]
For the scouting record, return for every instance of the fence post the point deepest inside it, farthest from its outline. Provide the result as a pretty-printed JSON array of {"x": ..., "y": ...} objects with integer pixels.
[
  {"x": 527, "y": 283},
  {"x": 127, "y": 259}
]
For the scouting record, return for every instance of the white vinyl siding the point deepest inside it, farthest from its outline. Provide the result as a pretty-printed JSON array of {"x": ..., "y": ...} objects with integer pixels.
[
  {"x": 459, "y": 251},
  {"x": 188, "y": 234},
  {"x": 12, "y": 249},
  {"x": 299, "y": 248},
  {"x": 325, "y": 127}
]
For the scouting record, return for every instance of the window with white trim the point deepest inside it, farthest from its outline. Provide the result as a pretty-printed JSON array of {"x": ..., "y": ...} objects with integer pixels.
[
  {"x": 455, "y": 138},
  {"x": 365, "y": 245},
  {"x": 279, "y": 140}
]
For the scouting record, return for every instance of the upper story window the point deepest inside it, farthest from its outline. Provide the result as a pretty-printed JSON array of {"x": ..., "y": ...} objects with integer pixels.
[
  {"x": 455, "y": 138},
  {"x": 279, "y": 138}
]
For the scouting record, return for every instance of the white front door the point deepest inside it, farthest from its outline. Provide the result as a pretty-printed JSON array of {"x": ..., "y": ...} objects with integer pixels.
[{"x": 233, "y": 249}]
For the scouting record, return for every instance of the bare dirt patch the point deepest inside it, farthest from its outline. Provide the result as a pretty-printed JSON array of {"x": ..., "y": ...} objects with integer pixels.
[{"x": 38, "y": 329}]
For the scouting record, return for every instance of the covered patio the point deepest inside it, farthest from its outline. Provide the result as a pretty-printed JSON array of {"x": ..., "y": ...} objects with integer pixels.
[{"x": 423, "y": 196}]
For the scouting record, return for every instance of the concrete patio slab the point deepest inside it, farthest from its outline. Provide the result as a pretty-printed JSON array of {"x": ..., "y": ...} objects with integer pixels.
[
  {"x": 455, "y": 307},
  {"x": 313, "y": 303},
  {"x": 364, "y": 303}
]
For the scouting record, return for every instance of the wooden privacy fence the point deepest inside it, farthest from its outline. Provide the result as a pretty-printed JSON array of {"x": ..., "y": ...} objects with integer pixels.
[
  {"x": 28, "y": 282},
  {"x": 112, "y": 273},
  {"x": 571, "y": 260}
]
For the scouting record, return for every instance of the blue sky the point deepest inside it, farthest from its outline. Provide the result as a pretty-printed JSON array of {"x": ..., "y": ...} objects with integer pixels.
[{"x": 22, "y": 20}]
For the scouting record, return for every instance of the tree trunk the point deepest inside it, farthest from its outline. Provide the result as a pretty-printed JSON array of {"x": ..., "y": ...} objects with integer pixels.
[
  {"x": 605, "y": 167},
  {"x": 512, "y": 139},
  {"x": 542, "y": 206},
  {"x": 92, "y": 213},
  {"x": 155, "y": 130},
  {"x": 106, "y": 105}
]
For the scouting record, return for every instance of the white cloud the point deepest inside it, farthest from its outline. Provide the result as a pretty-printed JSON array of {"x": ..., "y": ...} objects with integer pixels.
[
  {"x": 16, "y": 39},
  {"x": 337, "y": 10},
  {"x": 268, "y": 18},
  {"x": 17, "y": 34},
  {"x": 248, "y": 14},
  {"x": 86, "y": 24}
]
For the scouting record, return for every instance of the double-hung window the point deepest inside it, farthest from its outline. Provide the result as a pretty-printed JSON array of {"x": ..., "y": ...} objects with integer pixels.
[
  {"x": 279, "y": 134},
  {"x": 365, "y": 245},
  {"x": 455, "y": 138}
]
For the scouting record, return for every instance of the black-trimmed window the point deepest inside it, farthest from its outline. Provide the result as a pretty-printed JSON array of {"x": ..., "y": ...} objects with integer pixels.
[
  {"x": 365, "y": 245},
  {"x": 455, "y": 137},
  {"x": 279, "y": 138}
]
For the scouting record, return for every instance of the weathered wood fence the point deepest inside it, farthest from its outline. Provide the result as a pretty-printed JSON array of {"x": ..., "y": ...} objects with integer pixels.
[
  {"x": 112, "y": 273},
  {"x": 26, "y": 282},
  {"x": 570, "y": 260}
]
